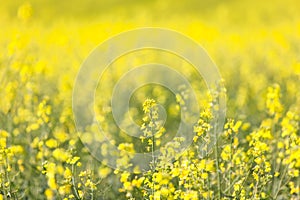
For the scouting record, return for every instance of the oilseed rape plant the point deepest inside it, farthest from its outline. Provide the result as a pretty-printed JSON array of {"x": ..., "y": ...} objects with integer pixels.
[{"x": 149, "y": 122}]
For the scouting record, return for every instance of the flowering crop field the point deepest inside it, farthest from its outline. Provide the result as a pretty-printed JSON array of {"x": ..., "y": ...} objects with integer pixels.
[{"x": 253, "y": 153}]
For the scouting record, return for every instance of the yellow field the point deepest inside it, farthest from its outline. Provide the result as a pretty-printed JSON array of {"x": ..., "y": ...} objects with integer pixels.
[{"x": 254, "y": 154}]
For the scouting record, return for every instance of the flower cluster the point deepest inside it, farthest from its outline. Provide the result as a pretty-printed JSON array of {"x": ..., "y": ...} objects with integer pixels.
[{"x": 254, "y": 155}]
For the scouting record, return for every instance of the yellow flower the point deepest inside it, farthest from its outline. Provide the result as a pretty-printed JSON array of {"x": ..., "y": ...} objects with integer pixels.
[
  {"x": 104, "y": 172},
  {"x": 127, "y": 186},
  {"x": 73, "y": 160},
  {"x": 226, "y": 153},
  {"x": 67, "y": 173},
  {"x": 25, "y": 11},
  {"x": 60, "y": 136},
  {"x": 258, "y": 160},
  {"x": 52, "y": 183},
  {"x": 204, "y": 175},
  {"x": 124, "y": 176},
  {"x": 236, "y": 187},
  {"x": 157, "y": 195},
  {"x": 49, "y": 194},
  {"x": 148, "y": 104},
  {"x": 60, "y": 154},
  {"x": 51, "y": 143},
  {"x": 157, "y": 177},
  {"x": 164, "y": 191}
]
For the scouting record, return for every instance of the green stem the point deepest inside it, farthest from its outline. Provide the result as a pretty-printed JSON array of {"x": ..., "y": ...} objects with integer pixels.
[
  {"x": 74, "y": 190},
  {"x": 280, "y": 181},
  {"x": 217, "y": 162}
]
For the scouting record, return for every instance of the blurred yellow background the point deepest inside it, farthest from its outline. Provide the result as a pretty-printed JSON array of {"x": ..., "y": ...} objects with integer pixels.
[{"x": 255, "y": 44}]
